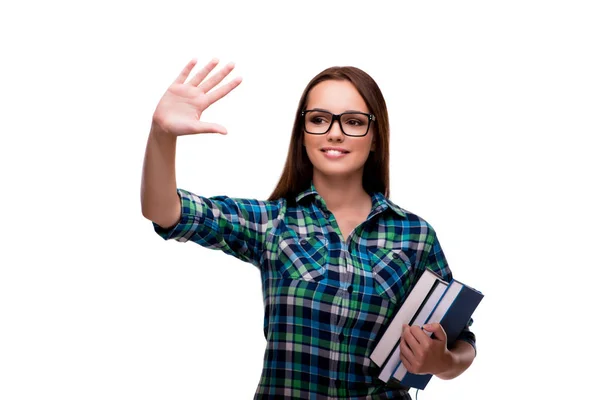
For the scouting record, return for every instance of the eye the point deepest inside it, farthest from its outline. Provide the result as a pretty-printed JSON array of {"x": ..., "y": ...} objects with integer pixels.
[{"x": 355, "y": 122}]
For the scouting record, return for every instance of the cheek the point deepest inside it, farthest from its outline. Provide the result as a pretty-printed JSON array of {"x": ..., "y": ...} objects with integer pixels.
[
  {"x": 363, "y": 156},
  {"x": 311, "y": 142},
  {"x": 364, "y": 148}
]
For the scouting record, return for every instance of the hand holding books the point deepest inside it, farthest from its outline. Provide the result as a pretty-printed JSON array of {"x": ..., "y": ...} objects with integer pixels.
[{"x": 424, "y": 353}]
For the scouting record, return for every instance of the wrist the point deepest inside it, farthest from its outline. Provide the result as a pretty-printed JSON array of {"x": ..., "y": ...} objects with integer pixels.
[
  {"x": 157, "y": 132},
  {"x": 449, "y": 362}
]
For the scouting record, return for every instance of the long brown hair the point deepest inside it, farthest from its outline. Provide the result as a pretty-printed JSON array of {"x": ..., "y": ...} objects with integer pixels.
[{"x": 298, "y": 170}]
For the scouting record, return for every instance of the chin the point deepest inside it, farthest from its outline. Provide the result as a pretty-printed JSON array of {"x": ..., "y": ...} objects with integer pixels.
[{"x": 336, "y": 171}]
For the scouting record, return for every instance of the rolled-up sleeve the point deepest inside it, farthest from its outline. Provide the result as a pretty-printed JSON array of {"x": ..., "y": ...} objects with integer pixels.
[
  {"x": 236, "y": 226},
  {"x": 467, "y": 336}
]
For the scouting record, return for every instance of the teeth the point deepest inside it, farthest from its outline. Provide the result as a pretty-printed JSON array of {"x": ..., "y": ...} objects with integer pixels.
[{"x": 333, "y": 152}]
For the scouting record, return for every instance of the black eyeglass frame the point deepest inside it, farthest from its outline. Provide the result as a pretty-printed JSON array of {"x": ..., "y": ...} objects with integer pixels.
[{"x": 336, "y": 117}]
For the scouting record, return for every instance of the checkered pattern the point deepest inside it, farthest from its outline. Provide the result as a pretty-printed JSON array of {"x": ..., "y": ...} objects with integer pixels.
[{"x": 327, "y": 302}]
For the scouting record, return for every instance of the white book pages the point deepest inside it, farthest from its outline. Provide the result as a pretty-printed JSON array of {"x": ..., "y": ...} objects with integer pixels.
[
  {"x": 444, "y": 304},
  {"x": 391, "y": 364}
]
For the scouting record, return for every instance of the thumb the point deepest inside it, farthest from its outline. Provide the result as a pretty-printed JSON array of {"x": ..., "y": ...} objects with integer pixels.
[
  {"x": 207, "y": 127},
  {"x": 436, "y": 329}
]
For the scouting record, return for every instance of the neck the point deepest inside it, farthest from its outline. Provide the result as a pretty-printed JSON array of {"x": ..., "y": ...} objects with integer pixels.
[{"x": 342, "y": 193}]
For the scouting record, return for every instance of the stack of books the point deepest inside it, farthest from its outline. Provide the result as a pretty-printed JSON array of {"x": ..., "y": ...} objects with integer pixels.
[{"x": 431, "y": 300}]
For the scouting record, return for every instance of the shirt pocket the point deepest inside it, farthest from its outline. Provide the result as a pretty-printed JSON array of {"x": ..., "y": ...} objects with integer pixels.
[
  {"x": 392, "y": 273},
  {"x": 303, "y": 257}
]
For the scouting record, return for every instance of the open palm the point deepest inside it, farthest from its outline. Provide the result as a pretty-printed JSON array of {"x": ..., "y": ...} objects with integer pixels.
[{"x": 180, "y": 109}]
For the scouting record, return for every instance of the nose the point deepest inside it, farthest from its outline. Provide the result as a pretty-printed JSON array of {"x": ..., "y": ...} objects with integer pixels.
[{"x": 335, "y": 132}]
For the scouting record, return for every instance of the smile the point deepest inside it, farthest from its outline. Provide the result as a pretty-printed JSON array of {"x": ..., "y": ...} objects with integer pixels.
[{"x": 334, "y": 153}]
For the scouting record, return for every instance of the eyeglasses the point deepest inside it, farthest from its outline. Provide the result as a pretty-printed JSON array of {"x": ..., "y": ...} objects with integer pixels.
[{"x": 318, "y": 122}]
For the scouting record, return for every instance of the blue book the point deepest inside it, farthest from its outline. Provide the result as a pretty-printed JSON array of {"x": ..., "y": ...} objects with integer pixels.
[{"x": 453, "y": 311}]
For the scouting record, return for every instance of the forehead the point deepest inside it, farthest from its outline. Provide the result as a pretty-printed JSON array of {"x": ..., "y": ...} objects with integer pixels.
[{"x": 336, "y": 96}]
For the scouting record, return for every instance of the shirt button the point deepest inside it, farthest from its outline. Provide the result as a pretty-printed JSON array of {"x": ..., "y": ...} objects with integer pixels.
[
  {"x": 326, "y": 214},
  {"x": 303, "y": 242},
  {"x": 395, "y": 255},
  {"x": 350, "y": 289}
]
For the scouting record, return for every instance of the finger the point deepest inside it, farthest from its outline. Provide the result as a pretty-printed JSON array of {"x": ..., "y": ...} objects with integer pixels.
[
  {"x": 406, "y": 332},
  {"x": 223, "y": 90},
  {"x": 411, "y": 342},
  {"x": 409, "y": 366},
  {"x": 216, "y": 78},
  {"x": 406, "y": 350},
  {"x": 409, "y": 333},
  {"x": 406, "y": 357},
  {"x": 421, "y": 336},
  {"x": 203, "y": 73},
  {"x": 207, "y": 127},
  {"x": 437, "y": 330},
  {"x": 186, "y": 71}
]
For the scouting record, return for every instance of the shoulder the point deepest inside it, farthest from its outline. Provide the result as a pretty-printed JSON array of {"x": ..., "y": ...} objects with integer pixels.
[
  {"x": 407, "y": 216},
  {"x": 410, "y": 227}
]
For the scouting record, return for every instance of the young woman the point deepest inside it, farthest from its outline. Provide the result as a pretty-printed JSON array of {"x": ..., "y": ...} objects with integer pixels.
[{"x": 337, "y": 257}]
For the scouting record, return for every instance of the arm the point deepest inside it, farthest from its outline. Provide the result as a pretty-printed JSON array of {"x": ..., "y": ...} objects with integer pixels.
[
  {"x": 460, "y": 357},
  {"x": 159, "y": 199}
]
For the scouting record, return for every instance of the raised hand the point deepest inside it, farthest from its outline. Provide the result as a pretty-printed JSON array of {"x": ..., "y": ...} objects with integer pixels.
[{"x": 179, "y": 110}]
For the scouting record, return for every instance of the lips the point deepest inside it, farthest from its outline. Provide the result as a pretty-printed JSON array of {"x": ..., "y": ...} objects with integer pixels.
[{"x": 332, "y": 155}]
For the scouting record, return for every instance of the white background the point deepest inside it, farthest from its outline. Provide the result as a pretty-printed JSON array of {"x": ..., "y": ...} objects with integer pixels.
[{"x": 494, "y": 120}]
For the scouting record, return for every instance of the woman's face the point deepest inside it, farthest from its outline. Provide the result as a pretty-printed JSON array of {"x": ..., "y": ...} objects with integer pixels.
[{"x": 337, "y": 97}]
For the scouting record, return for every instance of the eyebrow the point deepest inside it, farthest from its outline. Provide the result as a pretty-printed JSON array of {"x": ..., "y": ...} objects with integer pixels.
[{"x": 347, "y": 111}]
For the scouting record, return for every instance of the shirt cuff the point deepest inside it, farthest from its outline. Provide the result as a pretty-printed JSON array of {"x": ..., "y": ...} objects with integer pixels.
[
  {"x": 469, "y": 337},
  {"x": 189, "y": 219}
]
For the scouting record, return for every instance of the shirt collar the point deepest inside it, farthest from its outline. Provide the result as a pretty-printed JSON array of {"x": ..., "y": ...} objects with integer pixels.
[{"x": 379, "y": 201}]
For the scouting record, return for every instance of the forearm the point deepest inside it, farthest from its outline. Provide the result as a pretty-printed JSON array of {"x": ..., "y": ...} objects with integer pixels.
[
  {"x": 158, "y": 193},
  {"x": 461, "y": 357}
]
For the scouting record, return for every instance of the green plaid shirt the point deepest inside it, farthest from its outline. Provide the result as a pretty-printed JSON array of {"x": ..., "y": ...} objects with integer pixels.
[{"x": 327, "y": 301}]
